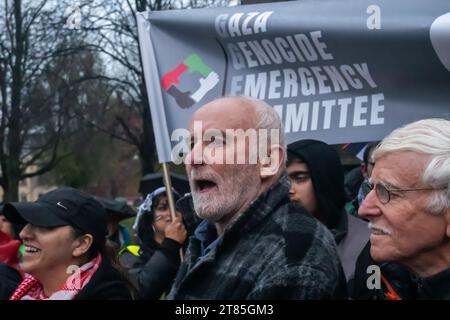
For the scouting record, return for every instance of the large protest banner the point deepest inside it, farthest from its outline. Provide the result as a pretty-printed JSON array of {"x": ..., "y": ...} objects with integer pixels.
[{"x": 337, "y": 71}]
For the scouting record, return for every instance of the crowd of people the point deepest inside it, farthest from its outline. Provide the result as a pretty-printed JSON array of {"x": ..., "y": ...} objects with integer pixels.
[{"x": 285, "y": 227}]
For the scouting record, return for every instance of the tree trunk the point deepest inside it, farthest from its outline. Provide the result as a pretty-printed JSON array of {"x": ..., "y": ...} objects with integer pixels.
[
  {"x": 12, "y": 174},
  {"x": 11, "y": 190}
]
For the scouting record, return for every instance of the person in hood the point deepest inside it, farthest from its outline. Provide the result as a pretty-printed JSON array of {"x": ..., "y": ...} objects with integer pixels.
[
  {"x": 153, "y": 264},
  {"x": 317, "y": 183},
  {"x": 65, "y": 254}
]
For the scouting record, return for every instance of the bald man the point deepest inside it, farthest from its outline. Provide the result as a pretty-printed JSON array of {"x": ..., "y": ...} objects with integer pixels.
[{"x": 253, "y": 243}]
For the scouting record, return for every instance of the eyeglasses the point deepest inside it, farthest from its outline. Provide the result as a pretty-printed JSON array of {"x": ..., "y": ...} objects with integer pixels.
[{"x": 384, "y": 193}]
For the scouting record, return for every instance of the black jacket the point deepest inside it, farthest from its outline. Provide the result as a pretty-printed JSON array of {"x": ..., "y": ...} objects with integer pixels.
[
  {"x": 398, "y": 278},
  {"x": 153, "y": 271},
  {"x": 106, "y": 284},
  {"x": 436, "y": 287},
  {"x": 9, "y": 281},
  {"x": 406, "y": 285}
]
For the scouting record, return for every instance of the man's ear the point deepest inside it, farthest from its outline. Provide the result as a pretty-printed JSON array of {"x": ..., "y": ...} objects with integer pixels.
[
  {"x": 82, "y": 245},
  {"x": 272, "y": 163}
]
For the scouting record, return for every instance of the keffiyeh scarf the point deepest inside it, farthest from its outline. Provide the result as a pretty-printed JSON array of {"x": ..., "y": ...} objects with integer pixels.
[{"x": 31, "y": 288}]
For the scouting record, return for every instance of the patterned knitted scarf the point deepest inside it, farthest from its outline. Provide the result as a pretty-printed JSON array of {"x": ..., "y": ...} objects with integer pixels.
[{"x": 31, "y": 288}]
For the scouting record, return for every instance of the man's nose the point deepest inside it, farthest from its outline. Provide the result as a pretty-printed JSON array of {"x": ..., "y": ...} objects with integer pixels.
[{"x": 369, "y": 207}]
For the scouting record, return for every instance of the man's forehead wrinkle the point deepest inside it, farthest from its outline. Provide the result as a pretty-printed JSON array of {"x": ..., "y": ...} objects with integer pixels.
[
  {"x": 225, "y": 114},
  {"x": 400, "y": 174},
  {"x": 387, "y": 176}
]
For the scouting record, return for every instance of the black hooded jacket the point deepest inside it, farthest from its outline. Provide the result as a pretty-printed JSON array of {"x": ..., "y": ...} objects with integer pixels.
[
  {"x": 154, "y": 266},
  {"x": 351, "y": 234},
  {"x": 327, "y": 175},
  {"x": 154, "y": 269}
]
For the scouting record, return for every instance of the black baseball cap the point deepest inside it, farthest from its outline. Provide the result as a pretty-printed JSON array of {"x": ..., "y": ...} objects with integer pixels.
[
  {"x": 117, "y": 208},
  {"x": 61, "y": 207}
]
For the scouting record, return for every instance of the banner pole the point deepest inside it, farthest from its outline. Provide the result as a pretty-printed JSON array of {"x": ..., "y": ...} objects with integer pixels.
[{"x": 170, "y": 198}]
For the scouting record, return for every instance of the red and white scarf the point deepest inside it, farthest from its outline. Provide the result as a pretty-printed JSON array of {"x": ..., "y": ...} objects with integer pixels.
[{"x": 31, "y": 288}]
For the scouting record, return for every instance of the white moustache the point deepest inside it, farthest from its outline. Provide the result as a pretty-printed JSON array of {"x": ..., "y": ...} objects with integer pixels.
[
  {"x": 381, "y": 229},
  {"x": 195, "y": 175}
]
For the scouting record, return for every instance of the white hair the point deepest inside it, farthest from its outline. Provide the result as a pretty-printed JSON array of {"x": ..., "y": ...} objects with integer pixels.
[
  {"x": 430, "y": 137},
  {"x": 268, "y": 119}
]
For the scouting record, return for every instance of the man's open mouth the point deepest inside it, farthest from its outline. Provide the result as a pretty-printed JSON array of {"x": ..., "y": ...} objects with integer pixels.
[{"x": 204, "y": 185}]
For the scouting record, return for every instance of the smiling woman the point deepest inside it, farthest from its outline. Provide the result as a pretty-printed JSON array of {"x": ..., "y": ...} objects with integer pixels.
[{"x": 65, "y": 253}]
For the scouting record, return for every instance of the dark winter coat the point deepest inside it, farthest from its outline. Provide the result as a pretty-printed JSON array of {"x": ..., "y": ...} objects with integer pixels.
[
  {"x": 397, "y": 281},
  {"x": 9, "y": 281},
  {"x": 273, "y": 250},
  {"x": 154, "y": 269}
]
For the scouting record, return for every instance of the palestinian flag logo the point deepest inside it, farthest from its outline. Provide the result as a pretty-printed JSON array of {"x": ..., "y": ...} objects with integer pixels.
[{"x": 193, "y": 63}]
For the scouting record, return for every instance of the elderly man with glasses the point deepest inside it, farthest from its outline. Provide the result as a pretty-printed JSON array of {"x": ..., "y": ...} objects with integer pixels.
[{"x": 409, "y": 205}]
